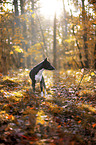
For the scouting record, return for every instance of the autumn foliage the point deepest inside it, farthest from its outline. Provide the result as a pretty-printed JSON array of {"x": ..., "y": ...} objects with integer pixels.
[
  {"x": 65, "y": 116},
  {"x": 27, "y": 37}
]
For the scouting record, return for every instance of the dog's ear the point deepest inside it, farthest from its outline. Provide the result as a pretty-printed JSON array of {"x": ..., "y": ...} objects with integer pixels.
[{"x": 45, "y": 59}]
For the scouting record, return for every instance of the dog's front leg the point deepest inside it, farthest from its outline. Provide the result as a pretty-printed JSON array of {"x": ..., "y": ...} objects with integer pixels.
[
  {"x": 44, "y": 85},
  {"x": 33, "y": 85},
  {"x": 41, "y": 86}
]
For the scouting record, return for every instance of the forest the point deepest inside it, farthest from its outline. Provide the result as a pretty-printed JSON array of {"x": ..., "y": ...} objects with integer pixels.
[{"x": 64, "y": 32}]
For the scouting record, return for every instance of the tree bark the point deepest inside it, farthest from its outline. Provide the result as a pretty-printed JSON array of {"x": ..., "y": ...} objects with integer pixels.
[
  {"x": 86, "y": 61},
  {"x": 15, "y": 3},
  {"x": 95, "y": 57},
  {"x": 54, "y": 43},
  {"x": 33, "y": 25},
  {"x": 24, "y": 33},
  {"x": 42, "y": 33},
  {"x": 33, "y": 32},
  {"x": 79, "y": 48},
  {"x": 4, "y": 64},
  {"x": 65, "y": 21}
]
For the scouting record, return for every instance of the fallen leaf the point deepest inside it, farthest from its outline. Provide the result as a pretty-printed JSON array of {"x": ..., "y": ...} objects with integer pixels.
[
  {"x": 93, "y": 125},
  {"x": 59, "y": 126},
  {"x": 79, "y": 121}
]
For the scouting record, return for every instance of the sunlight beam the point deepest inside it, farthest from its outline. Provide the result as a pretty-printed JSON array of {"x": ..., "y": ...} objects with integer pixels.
[{"x": 49, "y": 7}]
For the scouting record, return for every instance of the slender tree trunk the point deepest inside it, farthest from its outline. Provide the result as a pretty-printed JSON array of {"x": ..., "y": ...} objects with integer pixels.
[
  {"x": 54, "y": 43},
  {"x": 24, "y": 33},
  {"x": 95, "y": 57},
  {"x": 65, "y": 21},
  {"x": 17, "y": 27},
  {"x": 85, "y": 35},
  {"x": 42, "y": 33},
  {"x": 3, "y": 48},
  {"x": 15, "y": 3},
  {"x": 4, "y": 64},
  {"x": 22, "y": 6},
  {"x": 95, "y": 53},
  {"x": 33, "y": 25},
  {"x": 33, "y": 32},
  {"x": 79, "y": 48}
]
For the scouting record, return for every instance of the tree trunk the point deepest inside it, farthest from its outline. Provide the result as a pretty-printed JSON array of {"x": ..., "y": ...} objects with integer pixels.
[
  {"x": 86, "y": 61},
  {"x": 95, "y": 53},
  {"x": 4, "y": 64},
  {"x": 22, "y": 6},
  {"x": 24, "y": 46},
  {"x": 95, "y": 56},
  {"x": 54, "y": 43},
  {"x": 65, "y": 21},
  {"x": 15, "y": 3},
  {"x": 33, "y": 33},
  {"x": 42, "y": 33},
  {"x": 33, "y": 25},
  {"x": 79, "y": 48}
]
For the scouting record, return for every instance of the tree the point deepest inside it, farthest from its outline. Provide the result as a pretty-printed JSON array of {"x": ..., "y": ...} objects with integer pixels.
[
  {"x": 83, "y": 30},
  {"x": 65, "y": 21},
  {"x": 54, "y": 43},
  {"x": 17, "y": 21},
  {"x": 24, "y": 33},
  {"x": 85, "y": 34},
  {"x": 27, "y": 37}
]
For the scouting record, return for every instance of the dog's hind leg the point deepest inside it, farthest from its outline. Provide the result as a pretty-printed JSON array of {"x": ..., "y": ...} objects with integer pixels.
[
  {"x": 44, "y": 85},
  {"x": 41, "y": 86}
]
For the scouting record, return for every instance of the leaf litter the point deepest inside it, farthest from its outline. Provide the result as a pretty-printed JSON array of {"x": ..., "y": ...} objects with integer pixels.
[{"x": 66, "y": 116}]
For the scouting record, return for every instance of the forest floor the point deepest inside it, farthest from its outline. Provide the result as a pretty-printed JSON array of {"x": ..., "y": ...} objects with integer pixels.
[{"x": 67, "y": 116}]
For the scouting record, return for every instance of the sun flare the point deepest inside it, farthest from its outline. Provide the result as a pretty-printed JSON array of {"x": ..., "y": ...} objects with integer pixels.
[{"x": 49, "y": 7}]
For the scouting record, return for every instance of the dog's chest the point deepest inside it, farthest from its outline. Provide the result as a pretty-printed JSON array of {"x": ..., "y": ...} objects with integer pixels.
[{"x": 38, "y": 76}]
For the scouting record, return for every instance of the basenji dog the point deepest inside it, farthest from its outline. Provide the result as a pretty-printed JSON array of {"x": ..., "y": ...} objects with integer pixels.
[{"x": 36, "y": 74}]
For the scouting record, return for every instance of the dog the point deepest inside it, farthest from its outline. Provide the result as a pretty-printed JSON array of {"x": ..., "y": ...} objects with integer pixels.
[{"x": 36, "y": 74}]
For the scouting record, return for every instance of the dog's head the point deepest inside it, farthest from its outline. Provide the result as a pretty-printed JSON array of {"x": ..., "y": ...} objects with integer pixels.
[{"x": 47, "y": 65}]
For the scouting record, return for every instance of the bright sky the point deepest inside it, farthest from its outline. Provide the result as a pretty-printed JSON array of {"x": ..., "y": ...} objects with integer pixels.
[{"x": 48, "y": 7}]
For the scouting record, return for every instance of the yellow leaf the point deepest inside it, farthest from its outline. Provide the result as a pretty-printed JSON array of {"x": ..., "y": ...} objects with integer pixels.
[
  {"x": 33, "y": 15},
  {"x": 11, "y": 52},
  {"x": 42, "y": 121},
  {"x": 5, "y": 78},
  {"x": 44, "y": 34},
  {"x": 92, "y": 74},
  {"x": 18, "y": 49},
  {"x": 31, "y": 11},
  {"x": 70, "y": 40},
  {"x": 26, "y": 42},
  {"x": 2, "y": 91},
  {"x": 2, "y": 112}
]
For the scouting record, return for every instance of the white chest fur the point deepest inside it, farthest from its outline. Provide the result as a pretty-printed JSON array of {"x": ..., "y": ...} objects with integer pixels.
[{"x": 38, "y": 76}]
